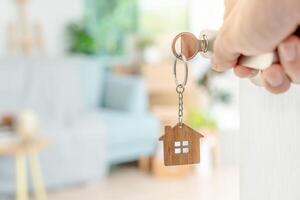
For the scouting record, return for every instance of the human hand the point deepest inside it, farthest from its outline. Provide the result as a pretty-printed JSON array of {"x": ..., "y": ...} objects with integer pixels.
[
  {"x": 249, "y": 29},
  {"x": 278, "y": 77}
]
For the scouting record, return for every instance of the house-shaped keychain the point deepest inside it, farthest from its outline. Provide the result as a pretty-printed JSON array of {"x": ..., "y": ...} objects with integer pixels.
[{"x": 181, "y": 145}]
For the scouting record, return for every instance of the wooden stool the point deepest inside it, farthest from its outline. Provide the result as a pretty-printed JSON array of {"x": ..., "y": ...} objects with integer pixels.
[{"x": 21, "y": 150}]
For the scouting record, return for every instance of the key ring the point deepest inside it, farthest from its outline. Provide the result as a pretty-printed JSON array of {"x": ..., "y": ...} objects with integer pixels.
[
  {"x": 193, "y": 41},
  {"x": 183, "y": 83},
  {"x": 190, "y": 46}
]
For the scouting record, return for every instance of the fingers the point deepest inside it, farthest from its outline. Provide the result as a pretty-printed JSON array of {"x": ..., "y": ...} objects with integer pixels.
[
  {"x": 221, "y": 62},
  {"x": 289, "y": 53},
  {"x": 229, "y": 4},
  {"x": 257, "y": 79},
  {"x": 244, "y": 31},
  {"x": 275, "y": 80},
  {"x": 245, "y": 72},
  {"x": 225, "y": 56}
]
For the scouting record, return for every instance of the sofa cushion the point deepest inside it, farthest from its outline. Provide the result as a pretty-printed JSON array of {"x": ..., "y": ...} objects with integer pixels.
[
  {"x": 125, "y": 93},
  {"x": 129, "y": 135},
  {"x": 92, "y": 80},
  {"x": 54, "y": 89},
  {"x": 51, "y": 87},
  {"x": 12, "y": 85},
  {"x": 76, "y": 154}
]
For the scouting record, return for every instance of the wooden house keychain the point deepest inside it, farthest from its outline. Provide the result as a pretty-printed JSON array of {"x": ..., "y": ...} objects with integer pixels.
[{"x": 181, "y": 143}]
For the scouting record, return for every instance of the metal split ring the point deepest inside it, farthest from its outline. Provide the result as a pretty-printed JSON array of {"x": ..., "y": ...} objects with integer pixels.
[
  {"x": 180, "y": 89},
  {"x": 177, "y": 37},
  {"x": 183, "y": 83}
]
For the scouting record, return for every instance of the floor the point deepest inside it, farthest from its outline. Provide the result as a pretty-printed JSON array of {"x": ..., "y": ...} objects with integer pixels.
[{"x": 128, "y": 183}]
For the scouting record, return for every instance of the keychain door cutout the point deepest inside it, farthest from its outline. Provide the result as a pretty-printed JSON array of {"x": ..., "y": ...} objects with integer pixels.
[{"x": 181, "y": 145}]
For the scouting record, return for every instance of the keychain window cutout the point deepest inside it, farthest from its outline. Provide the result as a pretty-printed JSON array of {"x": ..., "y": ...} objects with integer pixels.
[
  {"x": 185, "y": 143},
  {"x": 179, "y": 147},
  {"x": 185, "y": 150},
  {"x": 177, "y": 144},
  {"x": 177, "y": 150}
]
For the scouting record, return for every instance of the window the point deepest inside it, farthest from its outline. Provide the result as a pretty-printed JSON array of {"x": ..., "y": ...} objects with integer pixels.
[{"x": 181, "y": 147}]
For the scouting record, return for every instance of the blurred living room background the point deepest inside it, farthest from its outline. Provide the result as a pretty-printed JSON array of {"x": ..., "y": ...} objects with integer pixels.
[{"x": 86, "y": 87}]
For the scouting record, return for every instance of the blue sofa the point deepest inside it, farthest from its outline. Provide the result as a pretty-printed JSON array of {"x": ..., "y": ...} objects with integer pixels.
[
  {"x": 93, "y": 119},
  {"x": 132, "y": 130}
]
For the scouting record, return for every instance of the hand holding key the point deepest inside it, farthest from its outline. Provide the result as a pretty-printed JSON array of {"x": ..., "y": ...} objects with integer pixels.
[{"x": 258, "y": 26}]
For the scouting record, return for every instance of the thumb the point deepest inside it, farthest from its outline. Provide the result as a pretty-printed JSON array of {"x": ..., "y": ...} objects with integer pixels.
[{"x": 229, "y": 5}]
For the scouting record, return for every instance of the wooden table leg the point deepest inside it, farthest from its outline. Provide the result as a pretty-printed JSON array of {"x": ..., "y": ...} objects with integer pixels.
[
  {"x": 144, "y": 163},
  {"x": 37, "y": 178},
  {"x": 21, "y": 177}
]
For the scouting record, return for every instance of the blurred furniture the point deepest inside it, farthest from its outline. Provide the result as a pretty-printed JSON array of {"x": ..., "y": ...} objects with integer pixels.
[
  {"x": 23, "y": 38},
  {"x": 22, "y": 149},
  {"x": 93, "y": 119},
  {"x": 161, "y": 85},
  {"x": 132, "y": 130},
  {"x": 127, "y": 70}
]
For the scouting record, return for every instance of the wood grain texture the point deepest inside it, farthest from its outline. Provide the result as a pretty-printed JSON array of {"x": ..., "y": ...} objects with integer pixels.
[
  {"x": 269, "y": 144},
  {"x": 37, "y": 143},
  {"x": 180, "y": 134}
]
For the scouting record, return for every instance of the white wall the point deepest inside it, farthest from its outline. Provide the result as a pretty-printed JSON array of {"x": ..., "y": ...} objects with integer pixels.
[
  {"x": 53, "y": 14},
  {"x": 205, "y": 14},
  {"x": 270, "y": 144}
]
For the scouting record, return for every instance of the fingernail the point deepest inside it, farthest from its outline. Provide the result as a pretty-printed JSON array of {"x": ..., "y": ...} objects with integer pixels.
[
  {"x": 276, "y": 80},
  {"x": 253, "y": 73},
  {"x": 219, "y": 69},
  {"x": 214, "y": 67},
  {"x": 288, "y": 51}
]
